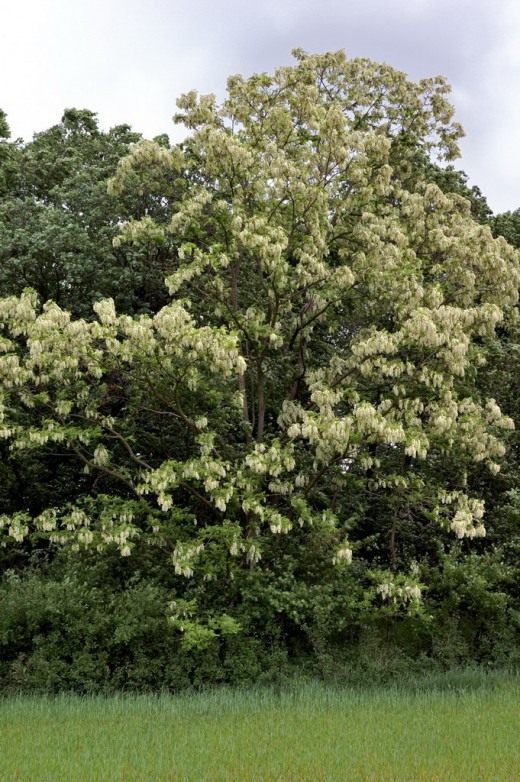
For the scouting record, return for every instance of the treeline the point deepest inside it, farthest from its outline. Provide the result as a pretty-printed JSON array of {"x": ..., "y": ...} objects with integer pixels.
[{"x": 258, "y": 393}]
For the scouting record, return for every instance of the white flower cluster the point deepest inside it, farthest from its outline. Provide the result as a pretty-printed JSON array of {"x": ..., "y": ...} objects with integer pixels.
[
  {"x": 17, "y": 526},
  {"x": 184, "y": 557},
  {"x": 144, "y": 156},
  {"x": 191, "y": 210},
  {"x": 343, "y": 554},
  {"x": 467, "y": 521},
  {"x": 270, "y": 460},
  {"x": 399, "y": 594}
]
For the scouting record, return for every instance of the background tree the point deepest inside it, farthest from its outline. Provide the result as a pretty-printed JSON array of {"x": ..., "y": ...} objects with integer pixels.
[{"x": 57, "y": 221}]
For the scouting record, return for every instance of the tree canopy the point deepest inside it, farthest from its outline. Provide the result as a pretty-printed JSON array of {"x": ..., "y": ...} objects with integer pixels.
[
  {"x": 302, "y": 403},
  {"x": 57, "y": 220}
]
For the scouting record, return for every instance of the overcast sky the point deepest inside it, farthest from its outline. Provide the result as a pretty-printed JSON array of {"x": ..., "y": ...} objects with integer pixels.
[{"x": 129, "y": 60}]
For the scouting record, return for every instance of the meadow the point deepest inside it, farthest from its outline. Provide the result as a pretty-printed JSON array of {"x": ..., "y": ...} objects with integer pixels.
[{"x": 443, "y": 731}]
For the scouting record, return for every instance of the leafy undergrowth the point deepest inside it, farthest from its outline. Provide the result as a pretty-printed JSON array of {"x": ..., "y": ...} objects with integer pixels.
[{"x": 452, "y": 729}]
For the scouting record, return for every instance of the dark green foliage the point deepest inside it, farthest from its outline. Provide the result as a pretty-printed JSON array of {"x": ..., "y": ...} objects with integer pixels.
[
  {"x": 508, "y": 226},
  {"x": 57, "y": 220},
  {"x": 99, "y": 623}
]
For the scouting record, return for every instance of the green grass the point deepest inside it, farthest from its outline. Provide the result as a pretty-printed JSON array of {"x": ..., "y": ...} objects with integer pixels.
[{"x": 462, "y": 730}]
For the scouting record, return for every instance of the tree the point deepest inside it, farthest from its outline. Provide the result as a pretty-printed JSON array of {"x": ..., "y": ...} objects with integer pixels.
[
  {"x": 507, "y": 225},
  {"x": 57, "y": 221},
  {"x": 307, "y": 399},
  {"x": 8, "y": 155}
]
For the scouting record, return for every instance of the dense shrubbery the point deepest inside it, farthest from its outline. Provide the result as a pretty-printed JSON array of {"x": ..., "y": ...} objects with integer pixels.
[
  {"x": 293, "y": 446},
  {"x": 95, "y": 623}
]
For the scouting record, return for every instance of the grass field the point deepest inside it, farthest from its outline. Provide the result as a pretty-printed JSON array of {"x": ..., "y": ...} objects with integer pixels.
[{"x": 462, "y": 733}]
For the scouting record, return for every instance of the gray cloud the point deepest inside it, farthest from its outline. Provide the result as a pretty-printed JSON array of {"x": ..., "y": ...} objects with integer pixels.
[{"x": 129, "y": 60}]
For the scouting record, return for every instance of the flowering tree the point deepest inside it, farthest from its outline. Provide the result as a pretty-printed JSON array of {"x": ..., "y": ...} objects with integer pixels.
[{"x": 313, "y": 374}]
